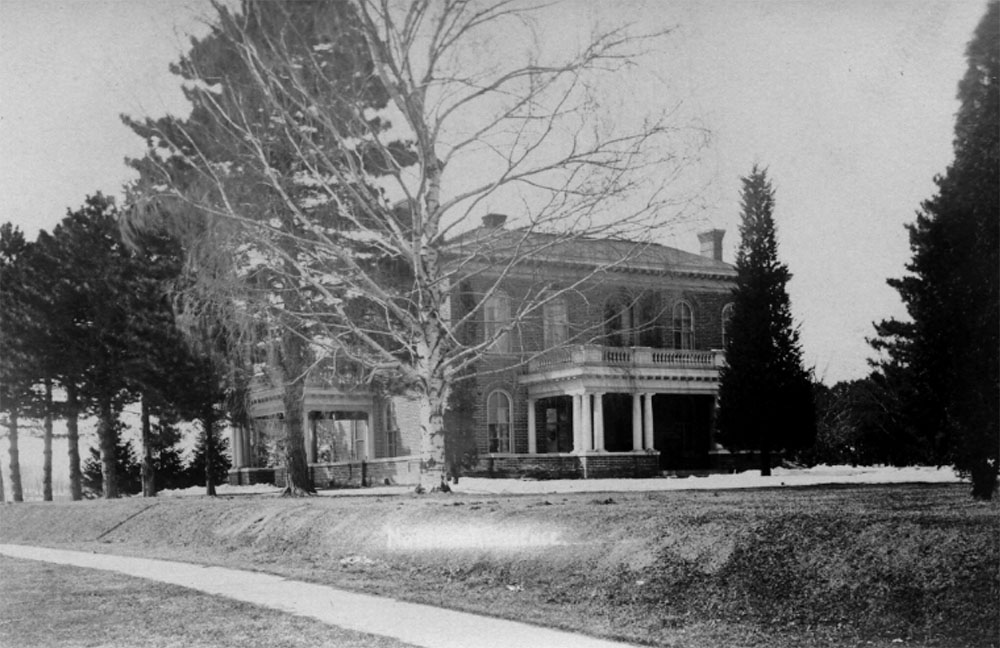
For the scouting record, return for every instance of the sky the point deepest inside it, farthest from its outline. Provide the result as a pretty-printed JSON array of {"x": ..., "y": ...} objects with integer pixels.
[{"x": 849, "y": 104}]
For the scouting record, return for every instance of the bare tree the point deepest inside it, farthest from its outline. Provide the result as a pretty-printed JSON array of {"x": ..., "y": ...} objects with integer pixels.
[{"x": 350, "y": 149}]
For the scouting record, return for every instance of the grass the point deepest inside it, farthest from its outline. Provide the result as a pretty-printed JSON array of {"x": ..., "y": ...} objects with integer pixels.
[
  {"x": 55, "y": 606},
  {"x": 844, "y": 566}
]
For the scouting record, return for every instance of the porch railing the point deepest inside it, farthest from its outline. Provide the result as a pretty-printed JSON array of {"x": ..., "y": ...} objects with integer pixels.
[{"x": 626, "y": 357}]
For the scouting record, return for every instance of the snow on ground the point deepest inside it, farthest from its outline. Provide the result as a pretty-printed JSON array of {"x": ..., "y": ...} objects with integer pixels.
[{"x": 748, "y": 479}]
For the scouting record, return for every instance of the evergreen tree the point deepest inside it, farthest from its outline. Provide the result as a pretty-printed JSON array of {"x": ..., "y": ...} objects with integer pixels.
[
  {"x": 945, "y": 358},
  {"x": 765, "y": 396},
  {"x": 16, "y": 340},
  {"x": 126, "y": 476},
  {"x": 209, "y": 463}
]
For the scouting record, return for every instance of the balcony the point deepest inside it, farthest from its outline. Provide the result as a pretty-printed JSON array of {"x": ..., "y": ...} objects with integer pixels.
[
  {"x": 594, "y": 367},
  {"x": 625, "y": 357}
]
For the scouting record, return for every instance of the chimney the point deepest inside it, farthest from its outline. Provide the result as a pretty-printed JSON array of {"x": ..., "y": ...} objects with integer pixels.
[
  {"x": 711, "y": 243},
  {"x": 494, "y": 221}
]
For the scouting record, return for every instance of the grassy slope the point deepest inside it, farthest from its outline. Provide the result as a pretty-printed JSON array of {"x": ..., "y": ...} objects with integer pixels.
[{"x": 823, "y": 566}]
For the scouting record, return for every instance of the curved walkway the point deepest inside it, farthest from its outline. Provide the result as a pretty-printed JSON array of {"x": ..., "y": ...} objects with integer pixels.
[{"x": 422, "y": 625}]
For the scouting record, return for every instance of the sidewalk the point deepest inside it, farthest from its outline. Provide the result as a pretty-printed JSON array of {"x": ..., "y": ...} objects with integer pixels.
[{"x": 422, "y": 625}]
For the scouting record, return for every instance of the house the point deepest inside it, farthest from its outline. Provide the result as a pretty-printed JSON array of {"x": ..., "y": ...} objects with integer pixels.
[{"x": 611, "y": 370}]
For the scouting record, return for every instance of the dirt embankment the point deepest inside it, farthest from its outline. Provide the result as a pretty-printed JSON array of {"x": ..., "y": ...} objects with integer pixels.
[{"x": 835, "y": 566}]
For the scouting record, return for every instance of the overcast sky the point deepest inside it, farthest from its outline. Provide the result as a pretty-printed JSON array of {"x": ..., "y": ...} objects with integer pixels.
[{"x": 850, "y": 104}]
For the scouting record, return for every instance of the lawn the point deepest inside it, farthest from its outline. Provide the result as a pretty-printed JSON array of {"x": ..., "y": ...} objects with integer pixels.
[
  {"x": 55, "y": 606},
  {"x": 822, "y": 566}
]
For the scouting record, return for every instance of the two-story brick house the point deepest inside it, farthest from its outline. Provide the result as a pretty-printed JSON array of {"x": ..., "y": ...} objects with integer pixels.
[{"x": 615, "y": 372}]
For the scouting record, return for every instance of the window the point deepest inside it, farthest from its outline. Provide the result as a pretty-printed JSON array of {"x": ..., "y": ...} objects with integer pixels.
[
  {"x": 556, "y": 330},
  {"x": 391, "y": 428},
  {"x": 498, "y": 417},
  {"x": 496, "y": 318},
  {"x": 683, "y": 326},
  {"x": 619, "y": 318},
  {"x": 727, "y": 321}
]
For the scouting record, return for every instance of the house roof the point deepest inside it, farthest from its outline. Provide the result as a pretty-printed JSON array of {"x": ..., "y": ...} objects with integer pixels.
[{"x": 498, "y": 244}]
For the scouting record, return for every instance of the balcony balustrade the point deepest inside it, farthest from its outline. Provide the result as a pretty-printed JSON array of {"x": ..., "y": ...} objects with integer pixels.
[{"x": 593, "y": 355}]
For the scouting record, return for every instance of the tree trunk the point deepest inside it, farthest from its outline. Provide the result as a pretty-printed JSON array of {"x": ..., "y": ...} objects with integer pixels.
[
  {"x": 3, "y": 495},
  {"x": 984, "y": 479},
  {"x": 294, "y": 354},
  {"x": 765, "y": 458},
  {"x": 148, "y": 471},
  {"x": 73, "y": 443},
  {"x": 297, "y": 481},
  {"x": 15, "y": 459},
  {"x": 47, "y": 441},
  {"x": 433, "y": 466},
  {"x": 108, "y": 441},
  {"x": 208, "y": 421}
]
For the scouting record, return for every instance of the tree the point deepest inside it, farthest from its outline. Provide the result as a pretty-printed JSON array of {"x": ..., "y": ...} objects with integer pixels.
[
  {"x": 765, "y": 395},
  {"x": 948, "y": 350},
  {"x": 327, "y": 160},
  {"x": 209, "y": 463},
  {"x": 126, "y": 475},
  {"x": 17, "y": 372}
]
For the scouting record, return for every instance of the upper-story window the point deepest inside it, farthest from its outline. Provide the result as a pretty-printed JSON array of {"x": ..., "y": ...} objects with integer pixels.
[
  {"x": 498, "y": 416},
  {"x": 496, "y": 319},
  {"x": 619, "y": 321},
  {"x": 727, "y": 323},
  {"x": 556, "y": 322},
  {"x": 683, "y": 326}
]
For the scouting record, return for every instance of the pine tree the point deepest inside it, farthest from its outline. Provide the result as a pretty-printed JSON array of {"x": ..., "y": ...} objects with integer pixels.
[
  {"x": 947, "y": 353},
  {"x": 765, "y": 396}
]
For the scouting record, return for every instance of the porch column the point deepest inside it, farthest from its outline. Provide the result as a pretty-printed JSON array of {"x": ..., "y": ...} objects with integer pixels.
[
  {"x": 648, "y": 421},
  {"x": 248, "y": 446},
  {"x": 599, "y": 422},
  {"x": 236, "y": 443},
  {"x": 636, "y": 422},
  {"x": 577, "y": 423},
  {"x": 532, "y": 434},
  {"x": 310, "y": 437},
  {"x": 586, "y": 418}
]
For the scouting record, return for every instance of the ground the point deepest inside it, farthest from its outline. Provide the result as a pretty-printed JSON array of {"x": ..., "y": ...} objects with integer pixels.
[{"x": 833, "y": 565}]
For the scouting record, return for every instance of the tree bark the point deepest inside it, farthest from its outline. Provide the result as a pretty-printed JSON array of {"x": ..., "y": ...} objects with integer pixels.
[
  {"x": 148, "y": 471},
  {"x": 297, "y": 481},
  {"x": 765, "y": 457},
  {"x": 15, "y": 459},
  {"x": 433, "y": 465},
  {"x": 208, "y": 421},
  {"x": 47, "y": 441},
  {"x": 106, "y": 434},
  {"x": 3, "y": 495},
  {"x": 73, "y": 443}
]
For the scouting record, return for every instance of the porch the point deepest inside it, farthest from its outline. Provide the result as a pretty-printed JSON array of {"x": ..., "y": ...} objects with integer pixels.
[{"x": 600, "y": 402}]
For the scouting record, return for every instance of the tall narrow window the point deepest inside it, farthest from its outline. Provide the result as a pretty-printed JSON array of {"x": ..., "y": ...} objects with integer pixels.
[
  {"x": 683, "y": 326},
  {"x": 496, "y": 318},
  {"x": 727, "y": 322},
  {"x": 619, "y": 321},
  {"x": 391, "y": 429},
  {"x": 556, "y": 322},
  {"x": 498, "y": 417}
]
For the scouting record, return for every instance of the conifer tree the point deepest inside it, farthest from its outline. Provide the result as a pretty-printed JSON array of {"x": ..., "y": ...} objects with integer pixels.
[
  {"x": 765, "y": 396},
  {"x": 945, "y": 358}
]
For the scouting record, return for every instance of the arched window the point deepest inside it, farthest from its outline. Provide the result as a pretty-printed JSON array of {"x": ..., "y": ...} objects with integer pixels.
[
  {"x": 496, "y": 318},
  {"x": 727, "y": 321},
  {"x": 498, "y": 417},
  {"x": 556, "y": 323},
  {"x": 683, "y": 326}
]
